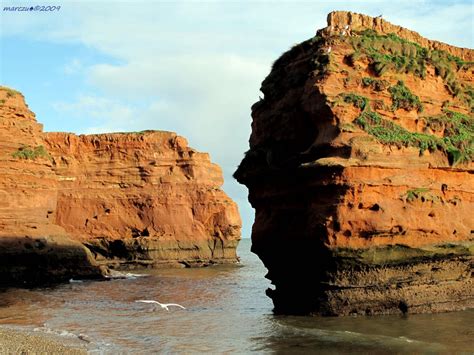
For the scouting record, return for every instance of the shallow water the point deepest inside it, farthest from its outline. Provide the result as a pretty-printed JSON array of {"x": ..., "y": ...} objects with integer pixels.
[{"x": 227, "y": 311}]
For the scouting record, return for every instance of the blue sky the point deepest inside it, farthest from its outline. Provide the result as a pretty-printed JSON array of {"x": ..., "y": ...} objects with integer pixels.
[{"x": 192, "y": 67}]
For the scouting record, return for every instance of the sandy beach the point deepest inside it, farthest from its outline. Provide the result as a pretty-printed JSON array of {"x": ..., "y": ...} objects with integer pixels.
[{"x": 22, "y": 342}]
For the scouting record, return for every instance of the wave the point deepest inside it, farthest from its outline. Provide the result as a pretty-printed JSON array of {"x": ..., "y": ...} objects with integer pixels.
[
  {"x": 344, "y": 340},
  {"x": 124, "y": 275},
  {"x": 92, "y": 346},
  {"x": 61, "y": 333}
]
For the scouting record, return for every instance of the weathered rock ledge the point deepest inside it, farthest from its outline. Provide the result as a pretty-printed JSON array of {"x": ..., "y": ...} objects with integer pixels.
[
  {"x": 75, "y": 206},
  {"x": 337, "y": 20},
  {"x": 360, "y": 172}
]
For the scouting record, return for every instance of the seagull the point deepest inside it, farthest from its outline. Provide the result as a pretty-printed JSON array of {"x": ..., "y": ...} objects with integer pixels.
[{"x": 162, "y": 305}]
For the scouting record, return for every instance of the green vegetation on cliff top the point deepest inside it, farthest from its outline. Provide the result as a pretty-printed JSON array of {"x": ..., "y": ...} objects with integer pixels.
[
  {"x": 390, "y": 53},
  {"x": 454, "y": 131},
  {"x": 403, "y": 98}
]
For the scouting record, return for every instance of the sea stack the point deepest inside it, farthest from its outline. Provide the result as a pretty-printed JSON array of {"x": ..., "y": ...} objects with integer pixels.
[
  {"x": 77, "y": 205},
  {"x": 360, "y": 172}
]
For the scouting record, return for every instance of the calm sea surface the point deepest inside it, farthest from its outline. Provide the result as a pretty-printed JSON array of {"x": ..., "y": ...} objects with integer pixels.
[{"x": 227, "y": 311}]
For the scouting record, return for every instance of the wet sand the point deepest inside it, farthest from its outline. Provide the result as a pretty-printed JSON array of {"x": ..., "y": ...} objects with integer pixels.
[{"x": 22, "y": 342}]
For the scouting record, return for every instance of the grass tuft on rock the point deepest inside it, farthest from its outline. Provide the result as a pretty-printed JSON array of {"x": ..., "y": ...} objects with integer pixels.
[
  {"x": 10, "y": 92},
  {"x": 457, "y": 130},
  {"x": 358, "y": 101},
  {"x": 29, "y": 153},
  {"x": 413, "y": 194},
  {"x": 375, "y": 84},
  {"x": 403, "y": 98}
]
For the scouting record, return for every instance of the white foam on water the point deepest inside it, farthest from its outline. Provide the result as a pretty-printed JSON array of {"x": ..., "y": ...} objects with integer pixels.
[
  {"x": 117, "y": 275},
  {"x": 94, "y": 347},
  {"x": 61, "y": 333},
  {"x": 72, "y": 281}
]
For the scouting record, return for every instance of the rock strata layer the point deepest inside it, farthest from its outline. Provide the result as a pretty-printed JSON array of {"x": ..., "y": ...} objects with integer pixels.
[
  {"x": 360, "y": 172},
  {"x": 72, "y": 206}
]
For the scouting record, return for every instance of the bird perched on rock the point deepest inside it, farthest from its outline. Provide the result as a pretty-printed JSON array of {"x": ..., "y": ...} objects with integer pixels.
[{"x": 347, "y": 28}]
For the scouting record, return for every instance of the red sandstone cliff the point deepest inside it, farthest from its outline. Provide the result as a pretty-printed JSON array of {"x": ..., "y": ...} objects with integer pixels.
[
  {"x": 70, "y": 205},
  {"x": 360, "y": 172},
  {"x": 143, "y": 197}
]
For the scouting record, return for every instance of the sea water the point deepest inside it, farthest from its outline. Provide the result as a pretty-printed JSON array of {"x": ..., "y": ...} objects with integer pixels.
[{"x": 226, "y": 311}]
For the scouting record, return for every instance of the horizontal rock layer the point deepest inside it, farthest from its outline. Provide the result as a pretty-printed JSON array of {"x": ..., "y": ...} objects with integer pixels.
[{"x": 360, "y": 172}]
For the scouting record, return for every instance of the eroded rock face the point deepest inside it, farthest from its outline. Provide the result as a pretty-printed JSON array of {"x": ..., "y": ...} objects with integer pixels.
[
  {"x": 71, "y": 206},
  {"x": 360, "y": 172},
  {"x": 143, "y": 198}
]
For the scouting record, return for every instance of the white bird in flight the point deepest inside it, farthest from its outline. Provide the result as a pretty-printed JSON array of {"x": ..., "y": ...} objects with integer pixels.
[{"x": 162, "y": 305}]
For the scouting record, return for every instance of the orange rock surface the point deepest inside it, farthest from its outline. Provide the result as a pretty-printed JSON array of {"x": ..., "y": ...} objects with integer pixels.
[
  {"x": 146, "y": 195},
  {"x": 369, "y": 204},
  {"x": 70, "y": 206}
]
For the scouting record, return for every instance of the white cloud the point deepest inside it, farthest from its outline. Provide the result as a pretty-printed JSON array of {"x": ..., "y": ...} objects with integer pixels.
[
  {"x": 205, "y": 98},
  {"x": 101, "y": 110}
]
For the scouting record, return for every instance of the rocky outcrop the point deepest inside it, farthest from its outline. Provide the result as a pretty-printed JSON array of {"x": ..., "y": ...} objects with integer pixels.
[
  {"x": 360, "y": 172},
  {"x": 144, "y": 198},
  {"x": 338, "y": 20},
  {"x": 72, "y": 206}
]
